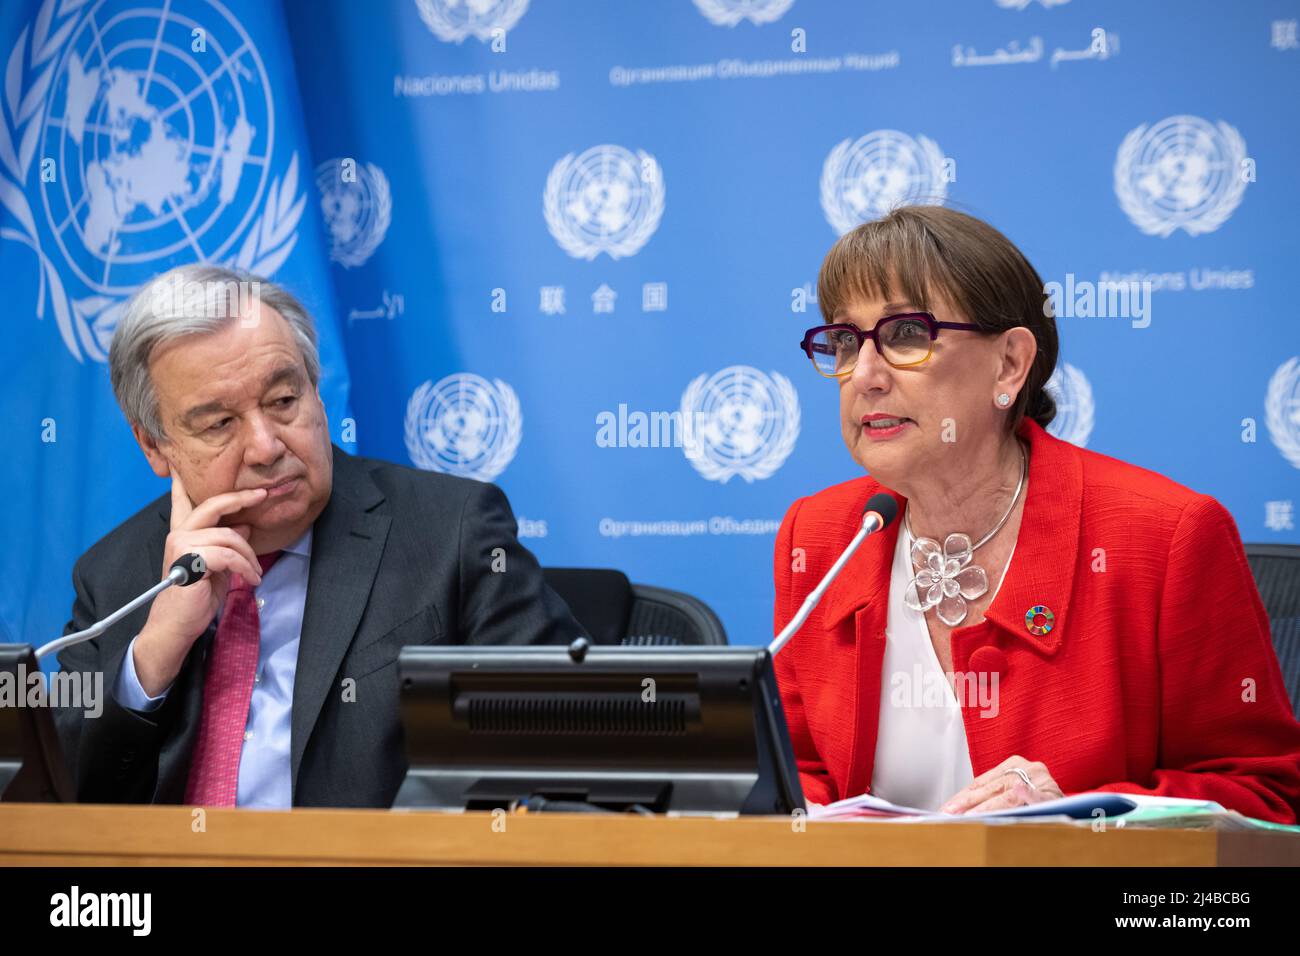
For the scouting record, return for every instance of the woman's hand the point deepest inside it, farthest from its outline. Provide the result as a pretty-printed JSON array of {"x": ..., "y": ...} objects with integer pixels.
[{"x": 1002, "y": 788}]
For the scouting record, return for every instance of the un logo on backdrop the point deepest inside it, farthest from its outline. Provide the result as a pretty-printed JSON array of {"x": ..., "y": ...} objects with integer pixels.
[
  {"x": 454, "y": 20},
  {"x": 1075, "y": 408},
  {"x": 605, "y": 200},
  {"x": 864, "y": 180},
  {"x": 728, "y": 13},
  {"x": 1282, "y": 410},
  {"x": 151, "y": 152},
  {"x": 739, "y": 421},
  {"x": 464, "y": 425},
  {"x": 357, "y": 205},
  {"x": 1181, "y": 173}
]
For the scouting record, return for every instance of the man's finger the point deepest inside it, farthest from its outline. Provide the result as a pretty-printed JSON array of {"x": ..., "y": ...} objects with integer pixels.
[
  {"x": 181, "y": 504},
  {"x": 207, "y": 514},
  {"x": 215, "y": 537},
  {"x": 227, "y": 559}
]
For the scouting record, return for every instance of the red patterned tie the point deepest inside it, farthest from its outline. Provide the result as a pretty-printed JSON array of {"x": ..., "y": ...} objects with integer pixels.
[{"x": 227, "y": 690}]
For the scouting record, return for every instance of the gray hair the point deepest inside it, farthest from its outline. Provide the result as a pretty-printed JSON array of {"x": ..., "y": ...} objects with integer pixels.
[{"x": 191, "y": 300}]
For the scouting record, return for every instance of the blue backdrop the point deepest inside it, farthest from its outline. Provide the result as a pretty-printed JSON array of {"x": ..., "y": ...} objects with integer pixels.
[{"x": 570, "y": 246}]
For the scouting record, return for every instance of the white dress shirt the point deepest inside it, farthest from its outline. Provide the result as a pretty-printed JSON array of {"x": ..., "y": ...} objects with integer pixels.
[{"x": 921, "y": 754}]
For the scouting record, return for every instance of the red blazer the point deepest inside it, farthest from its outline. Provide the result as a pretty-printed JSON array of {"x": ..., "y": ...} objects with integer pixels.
[{"x": 1158, "y": 677}]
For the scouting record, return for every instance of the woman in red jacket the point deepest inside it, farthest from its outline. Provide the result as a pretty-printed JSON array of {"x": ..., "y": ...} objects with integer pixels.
[{"x": 1040, "y": 620}]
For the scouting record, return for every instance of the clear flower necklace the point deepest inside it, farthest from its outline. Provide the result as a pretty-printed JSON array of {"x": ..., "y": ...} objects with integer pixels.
[{"x": 945, "y": 576}]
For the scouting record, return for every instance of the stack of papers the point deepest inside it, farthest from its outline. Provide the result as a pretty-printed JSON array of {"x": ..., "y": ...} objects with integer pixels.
[{"x": 1118, "y": 810}]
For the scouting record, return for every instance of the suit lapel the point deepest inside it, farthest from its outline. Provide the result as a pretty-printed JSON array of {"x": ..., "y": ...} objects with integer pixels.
[
  {"x": 1041, "y": 575},
  {"x": 347, "y": 544},
  {"x": 861, "y": 581},
  {"x": 1041, "y": 572}
]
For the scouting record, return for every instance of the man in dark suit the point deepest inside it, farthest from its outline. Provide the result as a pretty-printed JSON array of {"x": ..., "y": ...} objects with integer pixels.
[{"x": 272, "y": 681}]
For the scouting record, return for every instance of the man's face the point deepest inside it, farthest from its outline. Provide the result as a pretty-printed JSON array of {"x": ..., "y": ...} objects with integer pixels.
[{"x": 238, "y": 411}]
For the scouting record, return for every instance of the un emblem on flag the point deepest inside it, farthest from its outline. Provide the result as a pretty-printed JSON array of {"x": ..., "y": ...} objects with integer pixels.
[
  {"x": 1282, "y": 409},
  {"x": 1075, "y": 408},
  {"x": 454, "y": 20},
  {"x": 464, "y": 425},
  {"x": 1182, "y": 173},
  {"x": 357, "y": 206},
  {"x": 607, "y": 199},
  {"x": 866, "y": 179},
  {"x": 152, "y": 152},
  {"x": 728, "y": 13},
  {"x": 739, "y": 421}
]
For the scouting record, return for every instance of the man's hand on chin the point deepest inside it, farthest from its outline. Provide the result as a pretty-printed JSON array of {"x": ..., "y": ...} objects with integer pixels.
[{"x": 180, "y": 615}]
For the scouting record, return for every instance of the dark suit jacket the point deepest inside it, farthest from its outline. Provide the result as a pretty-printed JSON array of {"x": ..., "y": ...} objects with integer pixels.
[{"x": 399, "y": 557}]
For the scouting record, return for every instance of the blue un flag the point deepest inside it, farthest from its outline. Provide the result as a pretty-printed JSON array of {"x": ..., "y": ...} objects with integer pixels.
[{"x": 134, "y": 136}]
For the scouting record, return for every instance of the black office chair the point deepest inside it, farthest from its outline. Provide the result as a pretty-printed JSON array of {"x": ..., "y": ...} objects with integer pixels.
[
  {"x": 615, "y": 611},
  {"x": 1277, "y": 575}
]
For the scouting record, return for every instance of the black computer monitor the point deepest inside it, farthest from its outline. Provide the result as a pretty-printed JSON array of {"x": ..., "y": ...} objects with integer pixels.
[
  {"x": 671, "y": 729},
  {"x": 31, "y": 760}
]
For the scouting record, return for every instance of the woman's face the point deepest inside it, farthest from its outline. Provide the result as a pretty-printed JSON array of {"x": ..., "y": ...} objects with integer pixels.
[{"x": 945, "y": 405}]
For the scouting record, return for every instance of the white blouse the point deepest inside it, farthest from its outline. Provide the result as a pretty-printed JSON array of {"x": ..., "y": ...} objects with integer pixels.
[{"x": 921, "y": 754}]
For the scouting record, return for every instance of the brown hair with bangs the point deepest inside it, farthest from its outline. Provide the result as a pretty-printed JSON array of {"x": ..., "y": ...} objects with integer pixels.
[{"x": 919, "y": 251}]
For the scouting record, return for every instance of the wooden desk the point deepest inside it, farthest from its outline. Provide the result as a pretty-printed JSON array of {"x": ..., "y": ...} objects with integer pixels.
[{"x": 36, "y": 835}]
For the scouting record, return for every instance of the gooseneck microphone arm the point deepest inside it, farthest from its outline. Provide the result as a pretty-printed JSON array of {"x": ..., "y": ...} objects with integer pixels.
[
  {"x": 184, "y": 571},
  {"x": 879, "y": 513}
]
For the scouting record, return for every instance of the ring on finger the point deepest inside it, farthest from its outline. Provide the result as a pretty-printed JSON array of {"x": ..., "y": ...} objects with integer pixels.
[{"x": 1023, "y": 776}]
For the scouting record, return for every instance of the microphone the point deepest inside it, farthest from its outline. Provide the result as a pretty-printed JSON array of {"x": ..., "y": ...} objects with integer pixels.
[
  {"x": 190, "y": 568},
  {"x": 185, "y": 570},
  {"x": 880, "y": 512}
]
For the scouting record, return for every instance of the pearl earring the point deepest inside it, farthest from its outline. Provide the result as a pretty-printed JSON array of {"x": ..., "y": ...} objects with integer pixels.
[{"x": 1004, "y": 399}]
